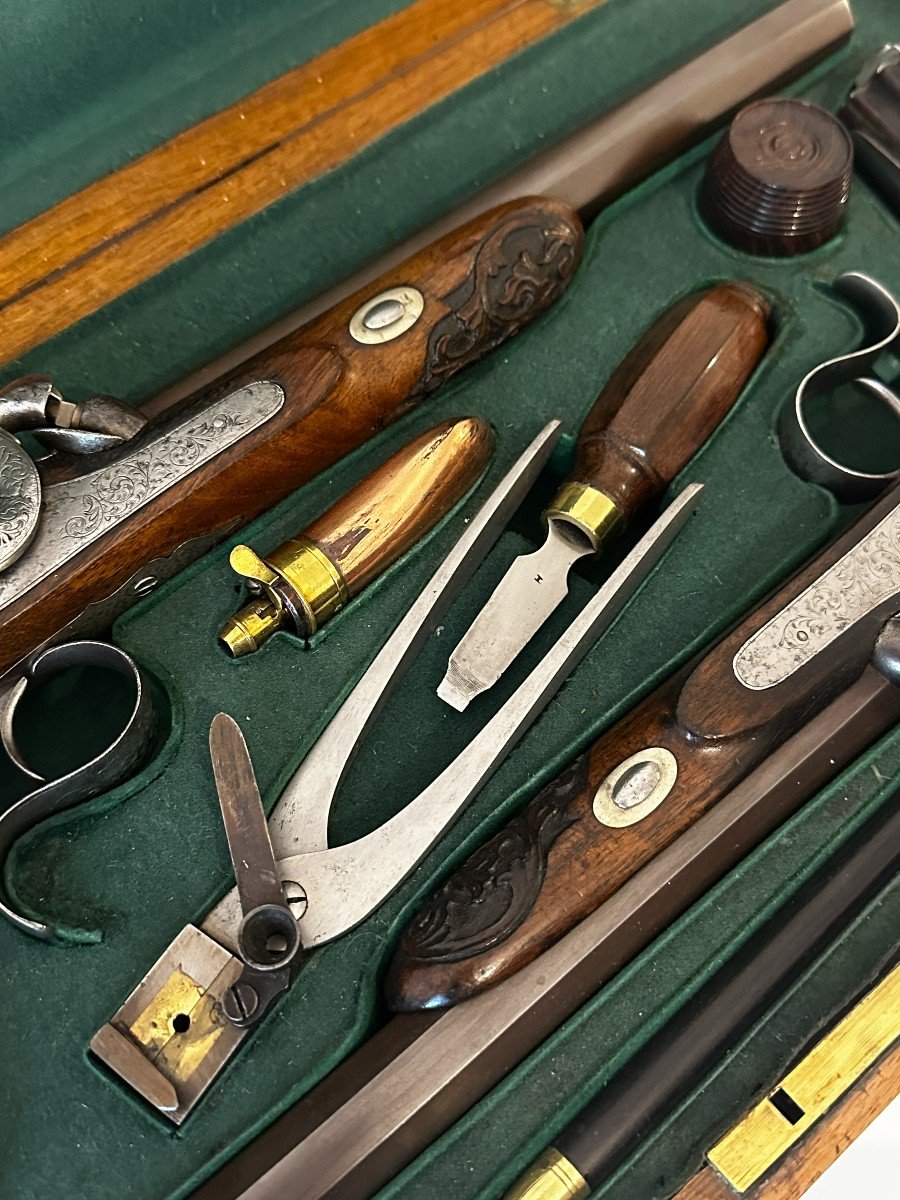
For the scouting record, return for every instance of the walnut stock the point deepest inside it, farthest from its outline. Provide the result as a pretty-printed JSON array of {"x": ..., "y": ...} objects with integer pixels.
[
  {"x": 481, "y": 284},
  {"x": 718, "y": 731}
]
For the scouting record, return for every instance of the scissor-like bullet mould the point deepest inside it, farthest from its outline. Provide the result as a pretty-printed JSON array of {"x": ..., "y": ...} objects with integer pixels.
[
  {"x": 332, "y": 889},
  {"x": 268, "y": 938}
]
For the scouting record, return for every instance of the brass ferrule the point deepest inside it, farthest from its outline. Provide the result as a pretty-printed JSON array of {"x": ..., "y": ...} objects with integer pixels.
[
  {"x": 299, "y": 586},
  {"x": 317, "y": 585},
  {"x": 550, "y": 1177},
  {"x": 253, "y": 625},
  {"x": 589, "y": 509}
]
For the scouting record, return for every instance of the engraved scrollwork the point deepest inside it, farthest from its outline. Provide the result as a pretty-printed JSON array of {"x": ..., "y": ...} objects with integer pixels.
[
  {"x": 493, "y": 892},
  {"x": 77, "y": 511},
  {"x": 15, "y": 504},
  {"x": 19, "y": 499},
  {"x": 865, "y": 577},
  {"x": 519, "y": 270},
  {"x": 119, "y": 489}
]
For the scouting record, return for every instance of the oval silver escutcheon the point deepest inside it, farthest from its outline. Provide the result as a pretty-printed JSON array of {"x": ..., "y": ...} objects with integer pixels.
[
  {"x": 637, "y": 786},
  {"x": 384, "y": 317}
]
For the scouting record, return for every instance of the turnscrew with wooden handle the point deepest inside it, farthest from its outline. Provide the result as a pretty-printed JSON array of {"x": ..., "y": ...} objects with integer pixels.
[
  {"x": 311, "y": 576},
  {"x": 659, "y": 407}
]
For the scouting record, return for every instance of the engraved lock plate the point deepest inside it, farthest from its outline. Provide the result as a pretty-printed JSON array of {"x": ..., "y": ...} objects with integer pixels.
[
  {"x": 384, "y": 317},
  {"x": 854, "y": 586},
  {"x": 79, "y": 511},
  {"x": 20, "y": 500},
  {"x": 637, "y": 786}
]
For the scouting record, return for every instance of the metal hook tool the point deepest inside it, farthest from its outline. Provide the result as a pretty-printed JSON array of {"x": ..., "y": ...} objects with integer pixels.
[
  {"x": 117, "y": 762},
  {"x": 331, "y": 889},
  {"x": 800, "y": 448}
]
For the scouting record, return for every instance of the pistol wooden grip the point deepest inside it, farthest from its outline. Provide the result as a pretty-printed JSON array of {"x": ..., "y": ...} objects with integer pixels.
[
  {"x": 480, "y": 284},
  {"x": 398, "y": 503},
  {"x": 551, "y": 865},
  {"x": 670, "y": 393},
  {"x": 557, "y": 861}
]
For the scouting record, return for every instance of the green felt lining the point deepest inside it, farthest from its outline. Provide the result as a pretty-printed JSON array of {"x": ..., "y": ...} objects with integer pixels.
[
  {"x": 253, "y": 275},
  {"x": 574, "y": 1064},
  {"x": 143, "y": 861},
  {"x": 90, "y": 87}
]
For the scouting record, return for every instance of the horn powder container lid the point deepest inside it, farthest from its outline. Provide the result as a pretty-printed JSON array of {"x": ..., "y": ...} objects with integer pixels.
[{"x": 778, "y": 181}]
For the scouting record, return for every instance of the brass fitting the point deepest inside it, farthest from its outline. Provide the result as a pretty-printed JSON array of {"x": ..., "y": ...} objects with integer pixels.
[
  {"x": 550, "y": 1177},
  {"x": 253, "y": 625},
  {"x": 300, "y": 588},
  {"x": 586, "y": 507},
  {"x": 312, "y": 576}
]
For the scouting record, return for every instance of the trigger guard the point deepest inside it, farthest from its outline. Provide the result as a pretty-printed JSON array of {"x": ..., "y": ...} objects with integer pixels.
[
  {"x": 803, "y": 453},
  {"x": 120, "y": 759}
]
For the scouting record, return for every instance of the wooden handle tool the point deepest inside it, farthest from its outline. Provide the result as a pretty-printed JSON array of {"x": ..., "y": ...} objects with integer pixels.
[
  {"x": 120, "y": 521},
  {"x": 657, "y": 410},
  {"x": 659, "y": 769},
  {"x": 311, "y": 576}
]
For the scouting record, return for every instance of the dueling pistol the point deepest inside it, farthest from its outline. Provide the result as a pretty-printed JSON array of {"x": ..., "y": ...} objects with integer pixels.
[{"x": 120, "y": 504}]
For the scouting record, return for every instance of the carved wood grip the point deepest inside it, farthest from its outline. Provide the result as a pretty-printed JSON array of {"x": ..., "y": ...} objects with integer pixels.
[
  {"x": 477, "y": 286},
  {"x": 647, "y": 779},
  {"x": 670, "y": 393}
]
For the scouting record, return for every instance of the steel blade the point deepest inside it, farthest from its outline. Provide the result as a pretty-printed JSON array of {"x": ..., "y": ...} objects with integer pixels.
[
  {"x": 528, "y": 593},
  {"x": 346, "y": 883},
  {"x": 300, "y": 819},
  {"x": 255, "y": 870}
]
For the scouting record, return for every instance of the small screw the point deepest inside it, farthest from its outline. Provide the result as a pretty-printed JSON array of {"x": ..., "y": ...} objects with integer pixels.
[
  {"x": 241, "y": 1001},
  {"x": 296, "y": 897},
  {"x": 143, "y": 587}
]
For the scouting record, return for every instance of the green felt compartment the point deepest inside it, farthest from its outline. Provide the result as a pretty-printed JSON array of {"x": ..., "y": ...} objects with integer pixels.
[
  {"x": 244, "y": 280},
  {"x": 140, "y": 863},
  {"x": 495, "y": 1141},
  {"x": 89, "y": 87}
]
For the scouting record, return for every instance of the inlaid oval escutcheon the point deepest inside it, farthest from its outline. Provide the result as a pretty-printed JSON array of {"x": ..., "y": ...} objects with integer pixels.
[
  {"x": 385, "y": 316},
  {"x": 637, "y": 786}
]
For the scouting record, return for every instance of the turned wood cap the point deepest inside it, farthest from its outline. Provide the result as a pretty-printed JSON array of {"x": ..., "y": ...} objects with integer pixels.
[{"x": 778, "y": 181}]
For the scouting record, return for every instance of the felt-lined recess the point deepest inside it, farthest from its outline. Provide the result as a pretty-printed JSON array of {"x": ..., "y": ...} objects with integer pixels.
[
  {"x": 553, "y": 1084},
  {"x": 156, "y": 860},
  {"x": 271, "y": 264},
  {"x": 127, "y": 227},
  {"x": 152, "y": 856}
]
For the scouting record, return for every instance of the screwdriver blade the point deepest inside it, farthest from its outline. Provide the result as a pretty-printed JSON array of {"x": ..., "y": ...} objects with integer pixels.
[{"x": 528, "y": 593}]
